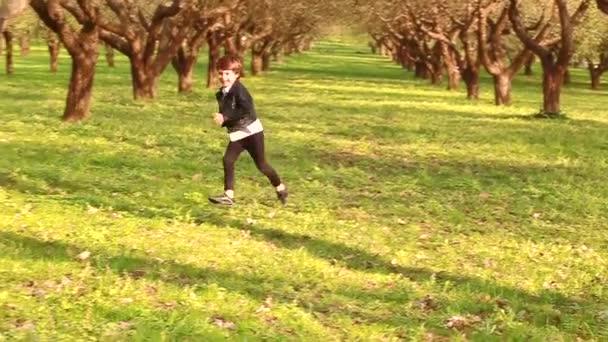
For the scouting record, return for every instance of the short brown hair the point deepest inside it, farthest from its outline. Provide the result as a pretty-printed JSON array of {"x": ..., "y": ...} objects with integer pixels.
[{"x": 230, "y": 62}]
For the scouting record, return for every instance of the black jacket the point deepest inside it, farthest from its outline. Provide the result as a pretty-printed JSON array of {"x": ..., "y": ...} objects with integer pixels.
[{"x": 237, "y": 107}]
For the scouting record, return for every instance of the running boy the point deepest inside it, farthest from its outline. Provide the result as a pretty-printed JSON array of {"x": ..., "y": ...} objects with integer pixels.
[{"x": 237, "y": 114}]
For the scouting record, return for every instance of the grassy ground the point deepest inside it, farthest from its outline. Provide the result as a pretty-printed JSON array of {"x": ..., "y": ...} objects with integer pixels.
[{"x": 415, "y": 214}]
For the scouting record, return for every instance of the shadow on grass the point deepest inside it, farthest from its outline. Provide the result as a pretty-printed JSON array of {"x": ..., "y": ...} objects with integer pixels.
[
  {"x": 258, "y": 287},
  {"x": 45, "y": 170}
]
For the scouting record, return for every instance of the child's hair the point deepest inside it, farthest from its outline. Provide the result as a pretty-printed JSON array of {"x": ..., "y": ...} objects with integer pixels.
[{"x": 230, "y": 62}]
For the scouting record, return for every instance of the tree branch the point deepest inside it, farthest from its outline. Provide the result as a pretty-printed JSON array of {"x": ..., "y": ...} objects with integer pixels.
[{"x": 522, "y": 34}]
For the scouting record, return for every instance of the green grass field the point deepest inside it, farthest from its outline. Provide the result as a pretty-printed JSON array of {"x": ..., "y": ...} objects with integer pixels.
[{"x": 414, "y": 213}]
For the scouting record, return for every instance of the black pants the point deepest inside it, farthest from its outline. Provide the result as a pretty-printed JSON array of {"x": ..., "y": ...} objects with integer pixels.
[{"x": 254, "y": 144}]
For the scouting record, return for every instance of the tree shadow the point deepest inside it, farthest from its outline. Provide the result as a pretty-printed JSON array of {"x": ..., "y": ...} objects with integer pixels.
[{"x": 341, "y": 255}]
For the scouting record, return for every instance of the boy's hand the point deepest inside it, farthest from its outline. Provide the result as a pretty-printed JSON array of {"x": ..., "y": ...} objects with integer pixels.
[{"x": 219, "y": 118}]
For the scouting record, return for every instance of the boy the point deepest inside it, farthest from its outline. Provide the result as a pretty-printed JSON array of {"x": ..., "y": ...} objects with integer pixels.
[{"x": 237, "y": 114}]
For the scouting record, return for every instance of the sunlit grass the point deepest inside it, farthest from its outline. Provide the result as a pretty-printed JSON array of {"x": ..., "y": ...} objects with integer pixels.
[{"x": 415, "y": 214}]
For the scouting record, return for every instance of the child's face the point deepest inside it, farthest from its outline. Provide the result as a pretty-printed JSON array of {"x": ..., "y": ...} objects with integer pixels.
[{"x": 227, "y": 77}]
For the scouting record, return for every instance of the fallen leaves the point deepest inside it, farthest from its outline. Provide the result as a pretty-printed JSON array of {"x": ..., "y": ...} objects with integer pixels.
[
  {"x": 603, "y": 315},
  {"x": 550, "y": 284},
  {"x": 84, "y": 255},
  {"x": 126, "y": 300},
  {"x": 427, "y": 303},
  {"x": 462, "y": 322},
  {"x": 125, "y": 325},
  {"x": 223, "y": 323},
  {"x": 168, "y": 306},
  {"x": 266, "y": 306},
  {"x": 23, "y": 324},
  {"x": 484, "y": 196},
  {"x": 92, "y": 210}
]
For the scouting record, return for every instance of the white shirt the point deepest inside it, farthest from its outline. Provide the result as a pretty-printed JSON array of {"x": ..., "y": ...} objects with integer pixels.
[{"x": 253, "y": 128}]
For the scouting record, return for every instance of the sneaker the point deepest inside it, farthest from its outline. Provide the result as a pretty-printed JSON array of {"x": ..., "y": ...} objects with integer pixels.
[
  {"x": 282, "y": 196},
  {"x": 222, "y": 199}
]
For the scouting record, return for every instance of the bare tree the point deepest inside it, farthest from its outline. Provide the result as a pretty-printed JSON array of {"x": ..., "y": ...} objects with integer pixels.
[
  {"x": 207, "y": 19},
  {"x": 82, "y": 45},
  {"x": 596, "y": 70},
  {"x": 10, "y": 9},
  {"x": 493, "y": 52},
  {"x": 150, "y": 41},
  {"x": 553, "y": 60},
  {"x": 54, "y": 46}
]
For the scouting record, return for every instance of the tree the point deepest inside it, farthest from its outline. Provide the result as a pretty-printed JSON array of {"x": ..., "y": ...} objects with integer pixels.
[
  {"x": 452, "y": 27},
  {"x": 149, "y": 34},
  {"x": 207, "y": 15},
  {"x": 54, "y": 46},
  {"x": 10, "y": 9},
  {"x": 8, "y": 46},
  {"x": 591, "y": 41},
  {"x": 493, "y": 28},
  {"x": 554, "y": 60},
  {"x": 82, "y": 45}
]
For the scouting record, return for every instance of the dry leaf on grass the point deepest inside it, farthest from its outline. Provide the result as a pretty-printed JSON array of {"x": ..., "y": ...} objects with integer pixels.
[
  {"x": 222, "y": 323},
  {"x": 84, "y": 255},
  {"x": 266, "y": 306},
  {"x": 427, "y": 303},
  {"x": 126, "y": 300},
  {"x": 462, "y": 322}
]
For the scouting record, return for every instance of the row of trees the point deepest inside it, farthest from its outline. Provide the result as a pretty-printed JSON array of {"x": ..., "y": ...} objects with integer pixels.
[
  {"x": 460, "y": 37},
  {"x": 433, "y": 38},
  {"x": 154, "y": 34}
]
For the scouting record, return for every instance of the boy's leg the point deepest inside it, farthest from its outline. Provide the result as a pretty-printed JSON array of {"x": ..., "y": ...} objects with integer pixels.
[
  {"x": 233, "y": 150},
  {"x": 254, "y": 144}
]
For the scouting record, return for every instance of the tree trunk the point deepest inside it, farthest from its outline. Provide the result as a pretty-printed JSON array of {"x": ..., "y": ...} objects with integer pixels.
[
  {"x": 277, "y": 57},
  {"x": 110, "y": 55},
  {"x": 502, "y": 89},
  {"x": 528, "y": 65},
  {"x": 54, "y": 47},
  {"x": 602, "y": 5},
  {"x": 435, "y": 75},
  {"x": 595, "y": 71},
  {"x": 184, "y": 66},
  {"x": 256, "y": 62},
  {"x": 78, "y": 101},
  {"x": 8, "y": 40},
  {"x": 24, "y": 43},
  {"x": 453, "y": 78},
  {"x": 372, "y": 46},
  {"x": 383, "y": 50},
  {"x": 186, "y": 78},
  {"x": 420, "y": 70},
  {"x": 214, "y": 54},
  {"x": 553, "y": 78},
  {"x": 144, "y": 84},
  {"x": 266, "y": 61},
  {"x": 470, "y": 75},
  {"x": 451, "y": 67},
  {"x": 567, "y": 77},
  {"x": 595, "y": 80}
]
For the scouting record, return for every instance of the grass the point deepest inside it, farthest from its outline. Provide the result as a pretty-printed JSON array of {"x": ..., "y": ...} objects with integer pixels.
[{"x": 415, "y": 214}]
